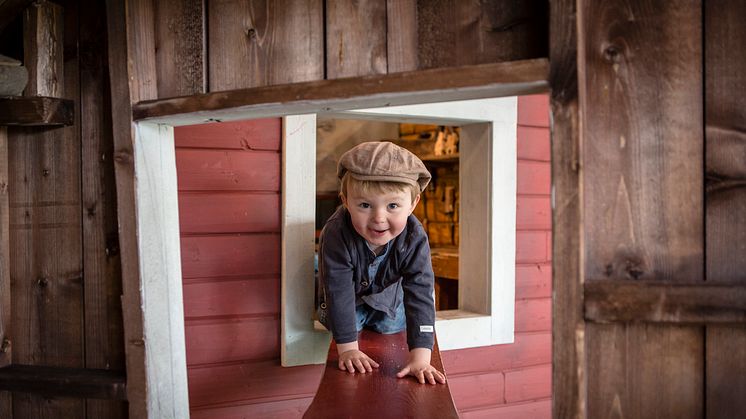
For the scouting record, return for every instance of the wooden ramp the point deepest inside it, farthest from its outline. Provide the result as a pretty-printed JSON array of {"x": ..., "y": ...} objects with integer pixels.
[{"x": 380, "y": 394}]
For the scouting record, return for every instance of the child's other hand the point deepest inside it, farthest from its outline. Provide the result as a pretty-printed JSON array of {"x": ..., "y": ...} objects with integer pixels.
[
  {"x": 355, "y": 360},
  {"x": 419, "y": 367}
]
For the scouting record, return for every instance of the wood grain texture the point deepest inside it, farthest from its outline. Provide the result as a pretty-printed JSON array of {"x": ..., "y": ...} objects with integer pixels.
[
  {"x": 6, "y": 354},
  {"x": 140, "y": 48},
  {"x": 342, "y": 394},
  {"x": 229, "y": 212},
  {"x": 401, "y": 35},
  {"x": 725, "y": 166},
  {"x": 568, "y": 326},
  {"x": 36, "y": 111},
  {"x": 255, "y": 134},
  {"x": 642, "y": 196},
  {"x": 225, "y": 297},
  {"x": 226, "y": 170},
  {"x": 655, "y": 301},
  {"x": 104, "y": 328},
  {"x": 43, "y": 35},
  {"x": 54, "y": 382},
  {"x": 424, "y": 86},
  {"x": 262, "y": 43},
  {"x": 180, "y": 47},
  {"x": 119, "y": 78},
  {"x": 355, "y": 38},
  {"x": 228, "y": 255},
  {"x": 452, "y": 32}
]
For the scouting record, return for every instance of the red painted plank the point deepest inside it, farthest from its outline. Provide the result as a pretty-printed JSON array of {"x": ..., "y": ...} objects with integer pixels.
[
  {"x": 227, "y": 170},
  {"x": 528, "y": 349},
  {"x": 533, "y": 315},
  {"x": 229, "y": 212},
  {"x": 533, "y": 143},
  {"x": 259, "y": 381},
  {"x": 283, "y": 409},
  {"x": 533, "y": 281},
  {"x": 533, "y": 213},
  {"x": 534, "y": 178},
  {"x": 528, "y": 384},
  {"x": 549, "y": 245},
  {"x": 533, "y": 110},
  {"x": 236, "y": 297},
  {"x": 540, "y": 409},
  {"x": 258, "y": 134},
  {"x": 215, "y": 256},
  {"x": 531, "y": 246},
  {"x": 226, "y": 340},
  {"x": 471, "y": 391}
]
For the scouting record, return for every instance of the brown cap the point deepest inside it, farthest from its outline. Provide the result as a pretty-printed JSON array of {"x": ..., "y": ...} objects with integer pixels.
[{"x": 383, "y": 161}]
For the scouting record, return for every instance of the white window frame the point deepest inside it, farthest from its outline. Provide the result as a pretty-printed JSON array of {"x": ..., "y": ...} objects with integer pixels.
[{"x": 487, "y": 173}]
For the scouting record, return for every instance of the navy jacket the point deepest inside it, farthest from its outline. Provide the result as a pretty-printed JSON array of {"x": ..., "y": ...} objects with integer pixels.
[{"x": 344, "y": 257}]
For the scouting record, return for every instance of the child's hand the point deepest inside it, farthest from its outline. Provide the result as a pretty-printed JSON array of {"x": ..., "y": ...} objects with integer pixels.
[
  {"x": 419, "y": 367},
  {"x": 351, "y": 358}
]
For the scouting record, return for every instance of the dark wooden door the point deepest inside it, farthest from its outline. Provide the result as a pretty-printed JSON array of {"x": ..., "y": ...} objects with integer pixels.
[{"x": 649, "y": 156}]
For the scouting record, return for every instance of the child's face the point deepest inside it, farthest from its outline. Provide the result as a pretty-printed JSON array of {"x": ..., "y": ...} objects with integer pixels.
[{"x": 379, "y": 217}]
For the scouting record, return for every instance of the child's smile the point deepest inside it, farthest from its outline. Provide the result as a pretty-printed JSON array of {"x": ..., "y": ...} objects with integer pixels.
[{"x": 379, "y": 218}]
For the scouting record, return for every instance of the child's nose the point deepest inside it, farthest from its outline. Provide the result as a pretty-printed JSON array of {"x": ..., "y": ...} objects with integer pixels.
[{"x": 379, "y": 216}]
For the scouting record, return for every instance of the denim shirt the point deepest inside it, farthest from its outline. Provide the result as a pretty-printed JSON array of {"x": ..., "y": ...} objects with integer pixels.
[{"x": 344, "y": 265}]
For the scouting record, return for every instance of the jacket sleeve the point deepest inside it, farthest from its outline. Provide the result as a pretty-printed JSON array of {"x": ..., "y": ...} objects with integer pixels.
[
  {"x": 418, "y": 284},
  {"x": 336, "y": 273}
]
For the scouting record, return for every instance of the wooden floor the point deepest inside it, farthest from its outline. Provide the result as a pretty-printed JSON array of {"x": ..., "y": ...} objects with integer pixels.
[{"x": 380, "y": 394}]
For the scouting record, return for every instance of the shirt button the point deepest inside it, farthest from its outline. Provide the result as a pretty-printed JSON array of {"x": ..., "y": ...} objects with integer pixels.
[{"x": 364, "y": 283}]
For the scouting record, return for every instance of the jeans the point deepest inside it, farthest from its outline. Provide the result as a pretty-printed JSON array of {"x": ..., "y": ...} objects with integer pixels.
[{"x": 379, "y": 321}]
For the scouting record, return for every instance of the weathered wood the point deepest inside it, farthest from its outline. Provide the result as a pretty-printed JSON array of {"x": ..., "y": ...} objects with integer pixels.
[
  {"x": 725, "y": 165},
  {"x": 104, "y": 330},
  {"x": 355, "y": 38},
  {"x": 445, "y": 262},
  {"x": 119, "y": 77},
  {"x": 455, "y": 33},
  {"x": 140, "y": 49},
  {"x": 180, "y": 52},
  {"x": 342, "y": 394},
  {"x": 401, "y": 35},
  {"x": 63, "y": 382},
  {"x": 568, "y": 327},
  {"x": 5, "y": 326},
  {"x": 438, "y": 85},
  {"x": 10, "y": 9},
  {"x": 608, "y": 301},
  {"x": 264, "y": 43},
  {"x": 36, "y": 111},
  {"x": 642, "y": 195},
  {"x": 43, "y": 31}
]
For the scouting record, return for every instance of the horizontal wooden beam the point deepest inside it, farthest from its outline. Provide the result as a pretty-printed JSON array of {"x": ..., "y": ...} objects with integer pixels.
[
  {"x": 423, "y": 86},
  {"x": 63, "y": 382},
  {"x": 608, "y": 301},
  {"x": 35, "y": 111}
]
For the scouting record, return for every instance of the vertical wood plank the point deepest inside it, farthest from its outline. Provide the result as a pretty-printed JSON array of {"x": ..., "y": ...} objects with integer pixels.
[
  {"x": 355, "y": 38},
  {"x": 121, "y": 97},
  {"x": 642, "y": 195},
  {"x": 43, "y": 30},
  {"x": 401, "y": 35},
  {"x": 180, "y": 47},
  {"x": 140, "y": 31},
  {"x": 261, "y": 43},
  {"x": 568, "y": 326},
  {"x": 725, "y": 123},
  {"x": 5, "y": 326},
  {"x": 453, "y": 32},
  {"x": 104, "y": 331}
]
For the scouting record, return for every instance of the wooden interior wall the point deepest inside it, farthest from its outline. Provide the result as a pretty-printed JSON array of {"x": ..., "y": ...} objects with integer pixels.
[{"x": 64, "y": 265}]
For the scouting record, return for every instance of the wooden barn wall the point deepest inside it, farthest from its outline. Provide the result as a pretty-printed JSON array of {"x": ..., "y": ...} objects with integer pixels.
[
  {"x": 230, "y": 219},
  {"x": 64, "y": 265}
]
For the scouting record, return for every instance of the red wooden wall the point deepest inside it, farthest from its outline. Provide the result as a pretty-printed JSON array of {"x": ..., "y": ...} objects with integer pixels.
[{"x": 229, "y": 179}]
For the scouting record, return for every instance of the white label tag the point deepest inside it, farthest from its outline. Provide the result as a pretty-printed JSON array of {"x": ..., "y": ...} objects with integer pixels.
[{"x": 428, "y": 329}]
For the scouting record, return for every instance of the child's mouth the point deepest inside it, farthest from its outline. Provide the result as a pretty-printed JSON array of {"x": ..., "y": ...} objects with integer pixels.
[{"x": 378, "y": 232}]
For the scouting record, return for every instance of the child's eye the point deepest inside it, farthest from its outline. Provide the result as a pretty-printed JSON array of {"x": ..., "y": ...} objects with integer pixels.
[
  {"x": 393, "y": 206},
  {"x": 364, "y": 205}
]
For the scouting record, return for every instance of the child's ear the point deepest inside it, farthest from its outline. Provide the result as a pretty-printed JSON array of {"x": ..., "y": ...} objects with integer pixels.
[
  {"x": 414, "y": 204},
  {"x": 344, "y": 201}
]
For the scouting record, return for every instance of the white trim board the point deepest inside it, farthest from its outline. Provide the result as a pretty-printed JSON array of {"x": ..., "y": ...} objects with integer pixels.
[{"x": 488, "y": 213}]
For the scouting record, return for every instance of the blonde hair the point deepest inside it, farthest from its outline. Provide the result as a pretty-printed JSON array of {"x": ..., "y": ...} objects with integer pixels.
[{"x": 375, "y": 186}]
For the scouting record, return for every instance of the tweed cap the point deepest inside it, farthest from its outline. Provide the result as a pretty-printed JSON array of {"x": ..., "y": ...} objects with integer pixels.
[{"x": 383, "y": 161}]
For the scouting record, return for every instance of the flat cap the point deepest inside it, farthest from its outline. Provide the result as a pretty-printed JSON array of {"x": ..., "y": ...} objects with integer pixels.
[{"x": 384, "y": 161}]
